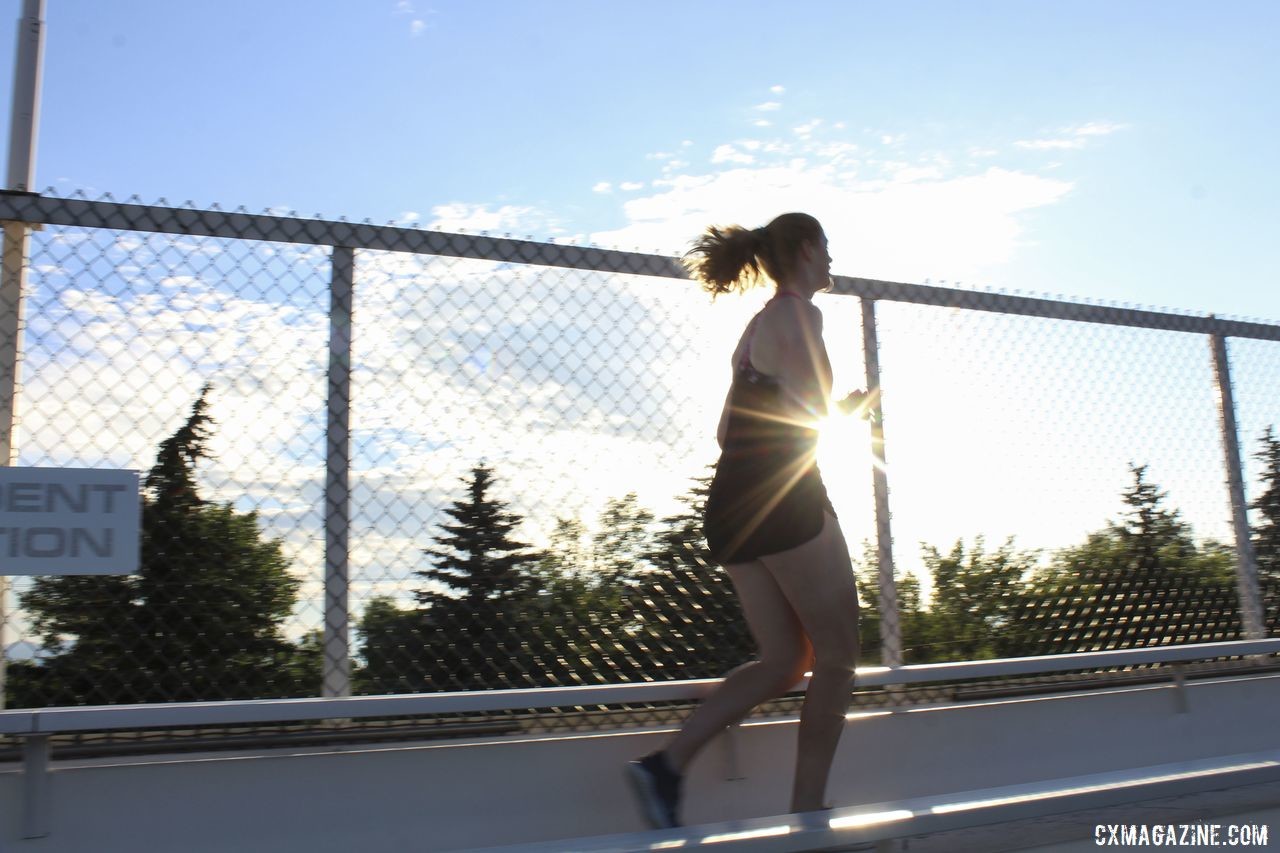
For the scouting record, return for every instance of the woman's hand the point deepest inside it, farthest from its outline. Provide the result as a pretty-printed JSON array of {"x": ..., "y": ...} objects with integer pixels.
[{"x": 859, "y": 403}]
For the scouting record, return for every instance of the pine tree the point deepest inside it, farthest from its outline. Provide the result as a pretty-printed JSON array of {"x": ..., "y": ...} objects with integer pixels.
[
  {"x": 1150, "y": 533},
  {"x": 1139, "y": 582},
  {"x": 488, "y": 581},
  {"x": 1266, "y": 534},
  {"x": 476, "y": 559},
  {"x": 201, "y": 620}
]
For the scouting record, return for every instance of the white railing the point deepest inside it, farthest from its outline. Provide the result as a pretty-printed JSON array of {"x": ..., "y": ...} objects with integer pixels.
[{"x": 46, "y": 721}]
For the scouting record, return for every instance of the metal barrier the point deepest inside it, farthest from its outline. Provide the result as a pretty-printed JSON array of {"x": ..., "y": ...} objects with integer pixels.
[
  {"x": 36, "y": 727},
  {"x": 366, "y": 401}
]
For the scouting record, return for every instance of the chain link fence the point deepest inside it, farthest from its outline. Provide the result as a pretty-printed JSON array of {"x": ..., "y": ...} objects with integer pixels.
[{"x": 513, "y": 495}]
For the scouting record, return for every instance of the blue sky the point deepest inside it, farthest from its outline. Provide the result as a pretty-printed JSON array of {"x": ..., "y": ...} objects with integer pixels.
[{"x": 1111, "y": 151}]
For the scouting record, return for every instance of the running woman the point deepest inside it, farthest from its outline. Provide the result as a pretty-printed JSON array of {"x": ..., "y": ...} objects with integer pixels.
[{"x": 768, "y": 519}]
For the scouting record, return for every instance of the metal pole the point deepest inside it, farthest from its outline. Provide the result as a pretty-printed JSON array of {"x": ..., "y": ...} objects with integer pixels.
[
  {"x": 1246, "y": 564},
  {"x": 23, "y": 120},
  {"x": 337, "y": 516},
  {"x": 24, "y": 116},
  {"x": 890, "y": 627}
]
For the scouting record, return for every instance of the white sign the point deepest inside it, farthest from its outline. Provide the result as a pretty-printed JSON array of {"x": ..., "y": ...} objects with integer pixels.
[{"x": 69, "y": 521}]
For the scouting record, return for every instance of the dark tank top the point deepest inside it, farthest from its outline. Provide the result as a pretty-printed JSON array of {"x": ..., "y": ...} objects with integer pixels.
[
  {"x": 759, "y": 413},
  {"x": 767, "y": 494}
]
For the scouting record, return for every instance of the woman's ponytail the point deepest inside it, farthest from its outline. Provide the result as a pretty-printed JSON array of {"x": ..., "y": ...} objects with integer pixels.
[
  {"x": 736, "y": 259},
  {"x": 727, "y": 260}
]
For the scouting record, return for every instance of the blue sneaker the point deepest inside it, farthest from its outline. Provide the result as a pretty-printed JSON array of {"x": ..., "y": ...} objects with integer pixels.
[{"x": 657, "y": 787}]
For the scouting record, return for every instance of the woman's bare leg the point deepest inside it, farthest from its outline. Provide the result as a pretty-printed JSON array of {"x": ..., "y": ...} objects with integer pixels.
[
  {"x": 817, "y": 579},
  {"x": 784, "y": 657}
]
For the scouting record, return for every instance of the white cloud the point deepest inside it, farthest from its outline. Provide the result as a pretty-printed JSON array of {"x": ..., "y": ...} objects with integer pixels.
[
  {"x": 410, "y": 216},
  {"x": 768, "y": 106},
  {"x": 777, "y": 90},
  {"x": 419, "y": 24},
  {"x": 806, "y": 130},
  {"x": 1099, "y": 128},
  {"x": 602, "y": 187},
  {"x": 1071, "y": 138},
  {"x": 901, "y": 219},
  {"x": 730, "y": 154},
  {"x": 762, "y": 122},
  {"x": 631, "y": 186},
  {"x": 904, "y": 173},
  {"x": 1049, "y": 144},
  {"x": 460, "y": 216}
]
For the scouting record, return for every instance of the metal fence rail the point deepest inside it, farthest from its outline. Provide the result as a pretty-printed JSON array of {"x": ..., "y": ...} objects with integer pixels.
[{"x": 380, "y": 396}]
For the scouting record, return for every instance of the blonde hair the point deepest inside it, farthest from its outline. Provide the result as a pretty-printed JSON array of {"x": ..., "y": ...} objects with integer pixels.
[{"x": 736, "y": 259}]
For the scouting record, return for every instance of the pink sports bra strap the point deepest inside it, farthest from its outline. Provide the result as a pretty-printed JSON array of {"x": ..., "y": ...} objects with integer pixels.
[{"x": 751, "y": 329}]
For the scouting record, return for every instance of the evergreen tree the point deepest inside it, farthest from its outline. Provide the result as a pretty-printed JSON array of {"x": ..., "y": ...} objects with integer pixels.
[
  {"x": 201, "y": 620},
  {"x": 489, "y": 582},
  {"x": 1151, "y": 535},
  {"x": 1266, "y": 533},
  {"x": 1139, "y": 582}
]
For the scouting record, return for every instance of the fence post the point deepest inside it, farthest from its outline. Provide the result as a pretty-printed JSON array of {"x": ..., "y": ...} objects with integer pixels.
[
  {"x": 17, "y": 239},
  {"x": 890, "y": 626},
  {"x": 1246, "y": 565},
  {"x": 23, "y": 122},
  {"x": 337, "y": 494}
]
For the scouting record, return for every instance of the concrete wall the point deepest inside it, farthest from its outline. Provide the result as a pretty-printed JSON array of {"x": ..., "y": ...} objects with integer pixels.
[{"x": 441, "y": 796}]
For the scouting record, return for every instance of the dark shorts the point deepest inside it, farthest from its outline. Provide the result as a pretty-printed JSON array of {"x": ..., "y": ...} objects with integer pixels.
[{"x": 747, "y": 517}]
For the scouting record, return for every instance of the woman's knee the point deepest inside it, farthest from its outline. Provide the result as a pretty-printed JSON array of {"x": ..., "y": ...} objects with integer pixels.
[
  {"x": 787, "y": 671},
  {"x": 839, "y": 657}
]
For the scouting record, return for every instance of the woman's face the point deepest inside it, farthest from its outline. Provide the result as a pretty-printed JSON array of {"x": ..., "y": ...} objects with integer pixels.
[{"x": 817, "y": 265}]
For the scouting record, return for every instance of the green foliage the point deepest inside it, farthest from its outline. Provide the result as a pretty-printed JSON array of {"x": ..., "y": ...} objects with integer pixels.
[
  {"x": 976, "y": 600},
  {"x": 1266, "y": 533},
  {"x": 476, "y": 559},
  {"x": 1142, "y": 581},
  {"x": 687, "y": 619},
  {"x": 201, "y": 620},
  {"x": 581, "y": 617},
  {"x": 467, "y": 632}
]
